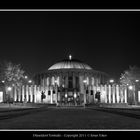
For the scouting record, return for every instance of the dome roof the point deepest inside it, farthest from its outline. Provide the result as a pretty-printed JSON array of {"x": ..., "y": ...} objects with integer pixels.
[{"x": 70, "y": 64}]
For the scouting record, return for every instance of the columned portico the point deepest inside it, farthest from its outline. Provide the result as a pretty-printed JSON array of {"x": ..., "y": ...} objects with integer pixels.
[{"x": 71, "y": 82}]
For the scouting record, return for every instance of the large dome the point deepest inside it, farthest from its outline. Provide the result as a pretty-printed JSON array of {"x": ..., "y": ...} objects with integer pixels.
[{"x": 70, "y": 64}]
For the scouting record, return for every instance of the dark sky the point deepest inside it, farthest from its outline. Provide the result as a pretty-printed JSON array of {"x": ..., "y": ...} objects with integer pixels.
[{"x": 107, "y": 41}]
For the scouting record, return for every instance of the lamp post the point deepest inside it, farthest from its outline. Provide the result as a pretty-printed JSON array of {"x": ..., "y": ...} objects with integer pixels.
[
  {"x": 132, "y": 91},
  {"x": 85, "y": 88},
  {"x": 9, "y": 89}
]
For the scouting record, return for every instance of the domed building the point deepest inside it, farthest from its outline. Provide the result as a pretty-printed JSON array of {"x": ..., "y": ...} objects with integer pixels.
[{"x": 70, "y": 82}]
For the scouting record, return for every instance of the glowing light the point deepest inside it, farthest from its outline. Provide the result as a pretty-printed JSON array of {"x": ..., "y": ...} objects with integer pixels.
[
  {"x": 137, "y": 80},
  {"x": 70, "y": 57},
  {"x": 9, "y": 88},
  {"x": 111, "y": 81},
  {"x": 3, "y": 81},
  {"x": 75, "y": 95},
  {"x": 26, "y": 77},
  {"x": 85, "y": 81},
  {"x": 66, "y": 95},
  {"x": 130, "y": 87},
  {"x": 30, "y": 81}
]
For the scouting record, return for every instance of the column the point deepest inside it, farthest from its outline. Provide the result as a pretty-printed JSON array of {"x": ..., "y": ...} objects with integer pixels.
[
  {"x": 113, "y": 93},
  {"x": 58, "y": 81},
  {"x": 105, "y": 92},
  {"x": 121, "y": 94},
  {"x": 43, "y": 83},
  {"x": 34, "y": 88},
  {"x": 31, "y": 94},
  {"x": 56, "y": 94},
  {"x": 19, "y": 94},
  {"x": 125, "y": 95},
  {"x": 27, "y": 95},
  {"x": 22, "y": 93},
  {"x": 15, "y": 94},
  {"x": 47, "y": 82},
  {"x": 66, "y": 81},
  {"x": 95, "y": 89},
  {"x": 84, "y": 97},
  {"x": 89, "y": 94},
  {"x": 51, "y": 90},
  {"x": 38, "y": 94},
  {"x": 117, "y": 93},
  {"x": 92, "y": 81},
  {"x": 109, "y": 93},
  {"x": 102, "y": 94}
]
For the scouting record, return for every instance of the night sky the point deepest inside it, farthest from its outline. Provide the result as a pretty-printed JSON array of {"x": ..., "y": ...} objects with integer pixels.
[{"x": 107, "y": 41}]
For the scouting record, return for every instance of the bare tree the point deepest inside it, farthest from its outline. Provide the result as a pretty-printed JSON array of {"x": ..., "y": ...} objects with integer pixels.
[
  {"x": 131, "y": 78},
  {"x": 11, "y": 75}
]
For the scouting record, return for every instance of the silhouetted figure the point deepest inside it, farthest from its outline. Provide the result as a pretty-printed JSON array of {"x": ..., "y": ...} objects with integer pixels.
[
  {"x": 42, "y": 96},
  {"x": 97, "y": 96}
]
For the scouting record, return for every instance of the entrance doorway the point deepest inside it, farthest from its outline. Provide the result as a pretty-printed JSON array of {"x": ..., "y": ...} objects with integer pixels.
[{"x": 70, "y": 99}]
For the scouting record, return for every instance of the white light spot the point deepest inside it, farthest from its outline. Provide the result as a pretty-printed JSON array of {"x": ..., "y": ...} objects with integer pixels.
[
  {"x": 70, "y": 57},
  {"x": 66, "y": 95},
  {"x": 130, "y": 87},
  {"x": 26, "y": 77},
  {"x": 9, "y": 88},
  {"x": 84, "y": 81},
  {"x": 30, "y": 81},
  {"x": 111, "y": 80},
  {"x": 75, "y": 95}
]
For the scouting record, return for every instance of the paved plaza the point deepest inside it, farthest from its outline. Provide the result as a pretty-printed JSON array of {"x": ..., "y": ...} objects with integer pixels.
[{"x": 69, "y": 118}]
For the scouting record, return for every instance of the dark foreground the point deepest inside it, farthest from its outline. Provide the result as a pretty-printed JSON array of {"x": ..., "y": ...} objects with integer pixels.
[{"x": 80, "y": 118}]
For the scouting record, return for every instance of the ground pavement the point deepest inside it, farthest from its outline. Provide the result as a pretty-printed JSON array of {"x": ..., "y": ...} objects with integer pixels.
[{"x": 91, "y": 118}]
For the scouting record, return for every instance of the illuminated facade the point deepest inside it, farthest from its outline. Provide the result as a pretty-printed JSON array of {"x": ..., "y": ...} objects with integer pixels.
[{"x": 70, "y": 82}]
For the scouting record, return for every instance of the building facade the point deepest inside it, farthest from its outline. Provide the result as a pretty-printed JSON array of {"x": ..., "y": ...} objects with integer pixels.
[{"x": 70, "y": 81}]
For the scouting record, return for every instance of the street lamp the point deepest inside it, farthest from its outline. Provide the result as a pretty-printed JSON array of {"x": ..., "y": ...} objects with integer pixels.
[
  {"x": 66, "y": 95},
  {"x": 130, "y": 87},
  {"x": 75, "y": 95},
  {"x": 136, "y": 80},
  {"x": 84, "y": 81},
  {"x": 30, "y": 81},
  {"x": 9, "y": 88},
  {"x": 26, "y": 77},
  {"x": 111, "y": 81}
]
